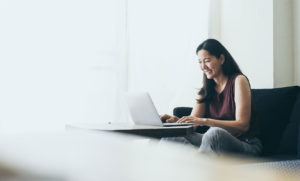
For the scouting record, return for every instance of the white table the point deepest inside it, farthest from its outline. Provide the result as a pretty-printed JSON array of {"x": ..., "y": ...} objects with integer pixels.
[{"x": 141, "y": 130}]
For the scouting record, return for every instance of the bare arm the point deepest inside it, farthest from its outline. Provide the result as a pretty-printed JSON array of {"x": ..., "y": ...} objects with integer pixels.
[
  {"x": 243, "y": 111},
  {"x": 242, "y": 99}
]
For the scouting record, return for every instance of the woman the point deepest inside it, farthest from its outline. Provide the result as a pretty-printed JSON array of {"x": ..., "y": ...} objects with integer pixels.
[{"x": 223, "y": 104}]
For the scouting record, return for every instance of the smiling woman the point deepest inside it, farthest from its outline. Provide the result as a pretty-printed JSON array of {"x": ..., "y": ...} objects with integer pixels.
[{"x": 224, "y": 104}]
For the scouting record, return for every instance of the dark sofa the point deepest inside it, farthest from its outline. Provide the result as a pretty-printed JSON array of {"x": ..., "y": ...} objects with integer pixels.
[{"x": 278, "y": 111}]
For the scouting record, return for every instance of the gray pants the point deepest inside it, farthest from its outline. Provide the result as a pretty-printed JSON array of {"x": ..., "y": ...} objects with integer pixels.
[{"x": 218, "y": 140}]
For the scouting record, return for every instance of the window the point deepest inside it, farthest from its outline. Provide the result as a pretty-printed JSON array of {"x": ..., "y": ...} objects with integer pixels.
[{"x": 66, "y": 61}]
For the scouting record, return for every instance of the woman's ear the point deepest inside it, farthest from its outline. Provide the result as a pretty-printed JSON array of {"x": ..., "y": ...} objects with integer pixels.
[{"x": 222, "y": 59}]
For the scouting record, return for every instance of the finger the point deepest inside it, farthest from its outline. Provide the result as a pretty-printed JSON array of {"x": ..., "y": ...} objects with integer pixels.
[
  {"x": 166, "y": 116},
  {"x": 188, "y": 119},
  {"x": 170, "y": 120},
  {"x": 179, "y": 120},
  {"x": 182, "y": 120}
]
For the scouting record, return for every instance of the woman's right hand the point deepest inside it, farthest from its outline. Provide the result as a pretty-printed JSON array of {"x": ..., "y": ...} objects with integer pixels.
[{"x": 168, "y": 119}]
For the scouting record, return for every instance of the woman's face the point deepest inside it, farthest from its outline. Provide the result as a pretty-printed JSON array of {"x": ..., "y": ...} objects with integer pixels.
[{"x": 209, "y": 64}]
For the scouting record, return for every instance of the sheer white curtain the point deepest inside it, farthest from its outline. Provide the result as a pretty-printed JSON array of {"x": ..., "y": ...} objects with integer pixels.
[
  {"x": 66, "y": 61},
  {"x": 60, "y": 62},
  {"x": 163, "y": 37}
]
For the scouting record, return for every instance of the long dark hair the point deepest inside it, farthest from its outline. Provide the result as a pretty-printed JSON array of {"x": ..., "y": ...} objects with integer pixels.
[{"x": 229, "y": 67}]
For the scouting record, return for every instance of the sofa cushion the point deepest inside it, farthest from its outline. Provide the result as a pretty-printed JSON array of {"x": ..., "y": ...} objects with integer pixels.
[
  {"x": 273, "y": 109},
  {"x": 289, "y": 140}
]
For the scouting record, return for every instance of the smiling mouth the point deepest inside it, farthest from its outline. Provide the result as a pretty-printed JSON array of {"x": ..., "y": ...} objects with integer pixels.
[{"x": 208, "y": 71}]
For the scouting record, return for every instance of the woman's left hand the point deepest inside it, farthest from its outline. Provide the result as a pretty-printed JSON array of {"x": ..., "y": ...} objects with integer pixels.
[{"x": 193, "y": 119}]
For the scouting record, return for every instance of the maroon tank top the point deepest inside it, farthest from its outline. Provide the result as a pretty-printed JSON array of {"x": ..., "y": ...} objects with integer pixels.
[{"x": 222, "y": 107}]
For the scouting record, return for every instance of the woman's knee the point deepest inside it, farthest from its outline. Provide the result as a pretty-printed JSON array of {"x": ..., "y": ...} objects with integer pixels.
[
  {"x": 214, "y": 134},
  {"x": 213, "y": 138}
]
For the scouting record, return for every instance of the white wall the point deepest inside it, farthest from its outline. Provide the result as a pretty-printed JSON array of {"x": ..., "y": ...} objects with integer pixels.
[
  {"x": 247, "y": 32},
  {"x": 263, "y": 37},
  {"x": 296, "y": 13},
  {"x": 163, "y": 37},
  {"x": 283, "y": 43}
]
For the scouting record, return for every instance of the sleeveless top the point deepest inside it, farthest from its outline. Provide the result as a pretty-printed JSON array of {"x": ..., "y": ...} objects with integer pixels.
[{"x": 222, "y": 107}]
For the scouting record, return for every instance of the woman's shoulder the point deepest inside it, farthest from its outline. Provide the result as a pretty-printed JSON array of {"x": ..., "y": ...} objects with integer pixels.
[
  {"x": 237, "y": 79},
  {"x": 241, "y": 82},
  {"x": 241, "y": 79}
]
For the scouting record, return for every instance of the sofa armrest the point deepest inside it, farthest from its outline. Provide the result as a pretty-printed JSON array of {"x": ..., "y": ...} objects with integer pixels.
[{"x": 182, "y": 111}]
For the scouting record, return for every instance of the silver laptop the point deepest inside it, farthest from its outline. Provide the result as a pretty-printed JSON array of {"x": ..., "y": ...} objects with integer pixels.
[{"x": 143, "y": 111}]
